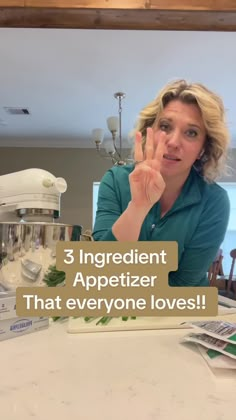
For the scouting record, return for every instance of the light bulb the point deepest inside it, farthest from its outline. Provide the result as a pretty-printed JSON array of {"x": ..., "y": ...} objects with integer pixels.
[
  {"x": 108, "y": 146},
  {"x": 113, "y": 123},
  {"x": 97, "y": 134}
]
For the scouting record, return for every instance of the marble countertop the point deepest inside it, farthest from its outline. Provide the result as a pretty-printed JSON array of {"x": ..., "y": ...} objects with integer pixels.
[{"x": 138, "y": 375}]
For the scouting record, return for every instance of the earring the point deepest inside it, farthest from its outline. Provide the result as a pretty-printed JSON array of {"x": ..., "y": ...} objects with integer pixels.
[{"x": 201, "y": 154}]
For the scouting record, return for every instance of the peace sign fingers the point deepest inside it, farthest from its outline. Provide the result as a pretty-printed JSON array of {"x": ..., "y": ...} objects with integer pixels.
[{"x": 151, "y": 153}]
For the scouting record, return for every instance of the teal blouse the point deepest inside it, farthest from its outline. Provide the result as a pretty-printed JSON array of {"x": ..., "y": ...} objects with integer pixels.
[{"x": 197, "y": 221}]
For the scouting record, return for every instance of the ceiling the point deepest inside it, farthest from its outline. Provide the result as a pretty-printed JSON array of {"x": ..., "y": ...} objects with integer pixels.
[{"x": 67, "y": 78}]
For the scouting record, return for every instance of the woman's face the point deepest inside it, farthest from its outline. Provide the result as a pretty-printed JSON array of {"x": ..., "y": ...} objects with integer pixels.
[{"x": 185, "y": 137}]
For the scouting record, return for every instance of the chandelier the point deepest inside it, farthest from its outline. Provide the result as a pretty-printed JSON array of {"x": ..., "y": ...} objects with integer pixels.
[{"x": 109, "y": 149}]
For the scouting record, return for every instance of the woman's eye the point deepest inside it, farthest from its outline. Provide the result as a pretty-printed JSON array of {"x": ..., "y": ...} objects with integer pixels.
[
  {"x": 191, "y": 133},
  {"x": 164, "y": 126}
]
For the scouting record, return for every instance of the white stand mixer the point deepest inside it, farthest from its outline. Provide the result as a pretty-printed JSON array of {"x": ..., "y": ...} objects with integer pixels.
[
  {"x": 29, "y": 203},
  {"x": 30, "y": 195}
]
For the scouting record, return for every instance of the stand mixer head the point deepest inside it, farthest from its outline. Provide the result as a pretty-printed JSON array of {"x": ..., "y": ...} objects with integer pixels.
[{"x": 31, "y": 195}]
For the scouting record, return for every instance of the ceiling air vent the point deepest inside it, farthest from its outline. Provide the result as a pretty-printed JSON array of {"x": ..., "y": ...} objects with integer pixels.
[{"x": 16, "y": 111}]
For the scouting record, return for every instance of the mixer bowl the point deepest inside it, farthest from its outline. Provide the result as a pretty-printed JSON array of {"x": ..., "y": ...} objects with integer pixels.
[{"x": 27, "y": 250}]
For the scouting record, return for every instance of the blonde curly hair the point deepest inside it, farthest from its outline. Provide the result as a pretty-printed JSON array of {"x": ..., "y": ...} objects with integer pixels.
[{"x": 213, "y": 162}]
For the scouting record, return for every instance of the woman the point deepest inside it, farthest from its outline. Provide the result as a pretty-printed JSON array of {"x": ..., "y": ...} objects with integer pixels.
[{"x": 169, "y": 193}]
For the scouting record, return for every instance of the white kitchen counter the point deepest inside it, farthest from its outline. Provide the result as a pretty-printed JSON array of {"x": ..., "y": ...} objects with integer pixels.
[{"x": 137, "y": 375}]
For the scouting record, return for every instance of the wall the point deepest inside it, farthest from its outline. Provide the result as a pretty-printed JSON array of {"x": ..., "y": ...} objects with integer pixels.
[
  {"x": 80, "y": 168},
  {"x": 231, "y": 177}
]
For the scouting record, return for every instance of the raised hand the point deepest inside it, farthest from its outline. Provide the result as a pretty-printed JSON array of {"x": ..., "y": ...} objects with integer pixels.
[{"x": 146, "y": 182}]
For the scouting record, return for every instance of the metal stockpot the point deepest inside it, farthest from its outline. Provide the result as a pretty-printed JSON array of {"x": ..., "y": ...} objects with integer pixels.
[{"x": 27, "y": 250}]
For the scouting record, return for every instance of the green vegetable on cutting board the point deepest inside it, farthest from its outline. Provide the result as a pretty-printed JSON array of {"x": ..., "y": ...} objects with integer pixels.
[{"x": 54, "y": 278}]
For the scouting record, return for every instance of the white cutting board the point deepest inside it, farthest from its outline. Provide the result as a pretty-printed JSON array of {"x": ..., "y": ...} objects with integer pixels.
[{"x": 78, "y": 325}]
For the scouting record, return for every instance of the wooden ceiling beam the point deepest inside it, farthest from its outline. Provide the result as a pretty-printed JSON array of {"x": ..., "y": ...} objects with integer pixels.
[{"x": 189, "y": 15}]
